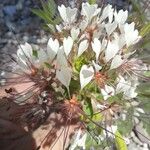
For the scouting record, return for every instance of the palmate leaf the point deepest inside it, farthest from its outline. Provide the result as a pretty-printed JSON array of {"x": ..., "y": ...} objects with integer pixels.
[
  {"x": 48, "y": 12},
  {"x": 119, "y": 141}
]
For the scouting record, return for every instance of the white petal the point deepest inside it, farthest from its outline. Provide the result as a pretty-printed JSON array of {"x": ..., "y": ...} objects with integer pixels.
[
  {"x": 111, "y": 51},
  {"x": 120, "y": 39},
  {"x": 25, "y": 54},
  {"x": 61, "y": 58},
  {"x": 64, "y": 76},
  {"x": 83, "y": 25},
  {"x": 67, "y": 14},
  {"x": 86, "y": 75},
  {"x": 25, "y": 50},
  {"x": 42, "y": 56},
  {"x": 107, "y": 92},
  {"x": 131, "y": 93},
  {"x": 116, "y": 62},
  {"x": 107, "y": 12},
  {"x": 131, "y": 35},
  {"x": 122, "y": 85},
  {"x": 89, "y": 10},
  {"x": 52, "y": 48},
  {"x": 74, "y": 33},
  {"x": 110, "y": 27},
  {"x": 62, "y": 12},
  {"x": 97, "y": 66},
  {"x": 67, "y": 43},
  {"x": 82, "y": 47},
  {"x": 121, "y": 16},
  {"x": 59, "y": 28},
  {"x": 96, "y": 46},
  {"x": 71, "y": 14}
]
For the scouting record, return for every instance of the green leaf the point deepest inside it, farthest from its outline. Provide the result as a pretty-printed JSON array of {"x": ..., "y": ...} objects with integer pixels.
[
  {"x": 74, "y": 86},
  {"x": 88, "y": 107},
  {"x": 79, "y": 62},
  {"x": 92, "y": 2},
  {"x": 48, "y": 12},
  {"x": 97, "y": 117},
  {"x": 47, "y": 65},
  {"x": 119, "y": 141},
  {"x": 147, "y": 73},
  {"x": 145, "y": 30},
  {"x": 35, "y": 53},
  {"x": 144, "y": 89}
]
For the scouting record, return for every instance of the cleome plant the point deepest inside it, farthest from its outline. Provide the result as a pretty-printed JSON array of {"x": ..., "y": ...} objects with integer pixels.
[{"x": 89, "y": 73}]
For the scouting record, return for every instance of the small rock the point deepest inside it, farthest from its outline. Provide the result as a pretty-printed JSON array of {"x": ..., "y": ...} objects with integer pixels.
[
  {"x": 25, "y": 21},
  {"x": 10, "y": 10}
]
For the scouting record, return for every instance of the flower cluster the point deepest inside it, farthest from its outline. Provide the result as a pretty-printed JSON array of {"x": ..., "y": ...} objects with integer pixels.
[{"x": 89, "y": 62}]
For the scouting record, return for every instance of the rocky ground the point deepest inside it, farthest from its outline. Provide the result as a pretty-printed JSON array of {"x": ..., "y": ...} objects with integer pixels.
[{"x": 18, "y": 24}]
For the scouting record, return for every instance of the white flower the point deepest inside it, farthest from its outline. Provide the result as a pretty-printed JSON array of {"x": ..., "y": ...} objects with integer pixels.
[
  {"x": 82, "y": 47},
  {"x": 116, "y": 62},
  {"x": 86, "y": 75},
  {"x": 67, "y": 14},
  {"x": 111, "y": 50},
  {"x": 75, "y": 33},
  {"x": 89, "y": 10},
  {"x": 67, "y": 43},
  {"x": 52, "y": 48},
  {"x": 96, "y": 46},
  {"x": 121, "y": 16},
  {"x": 107, "y": 92},
  {"x": 131, "y": 35},
  {"x": 79, "y": 140}
]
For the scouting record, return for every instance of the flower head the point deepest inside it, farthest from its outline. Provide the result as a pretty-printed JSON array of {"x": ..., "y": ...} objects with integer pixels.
[{"x": 90, "y": 57}]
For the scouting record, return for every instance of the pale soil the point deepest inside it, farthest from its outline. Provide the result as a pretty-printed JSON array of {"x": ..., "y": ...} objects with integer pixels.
[{"x": 28, "y": 140}]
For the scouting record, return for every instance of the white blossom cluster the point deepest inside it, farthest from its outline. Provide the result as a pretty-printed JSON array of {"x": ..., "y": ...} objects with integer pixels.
[{"x": 104, "y": 39}]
